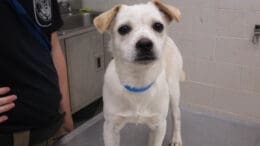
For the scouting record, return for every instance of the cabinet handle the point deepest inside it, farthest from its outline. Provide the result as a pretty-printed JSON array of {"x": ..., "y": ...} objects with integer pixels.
[{"x": 98, "y": 59}]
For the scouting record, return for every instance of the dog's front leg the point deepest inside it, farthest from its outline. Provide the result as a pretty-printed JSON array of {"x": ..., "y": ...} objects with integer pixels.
[
  {"x": 174, "y": 102},
  {"x": 112, "y": 133},
  {"x": 157, "y": 134}
]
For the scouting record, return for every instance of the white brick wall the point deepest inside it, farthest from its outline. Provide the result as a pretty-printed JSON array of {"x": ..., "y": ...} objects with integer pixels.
[
  {"x": 196, "y": 93},
  {"x": 222, "y": 65},
  {"x": 231, "y": 23},
  {"x": 219, "y": 57}
]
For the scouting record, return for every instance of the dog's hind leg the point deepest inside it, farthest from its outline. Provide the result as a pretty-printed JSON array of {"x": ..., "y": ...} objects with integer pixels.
[
  {"x": 174, "y": 102},
  {"x": 112, "y": 133},
  {"x": 157, "y": 134}
]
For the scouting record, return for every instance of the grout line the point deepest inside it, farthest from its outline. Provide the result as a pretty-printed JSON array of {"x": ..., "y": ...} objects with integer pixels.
[
  {"x": 218, "y": 87},
  {"x": 220, "y": 114}
]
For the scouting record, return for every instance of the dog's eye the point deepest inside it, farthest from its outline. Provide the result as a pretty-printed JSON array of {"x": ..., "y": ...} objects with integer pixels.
[
  {"x": 157, "y": 26},
  {"x": 124, "y": 29}
]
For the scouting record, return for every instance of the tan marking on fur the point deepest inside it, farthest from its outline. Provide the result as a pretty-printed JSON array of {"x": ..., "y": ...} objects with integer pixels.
[
  {"x": 103, "y": 21},
  {"x": 170, "y": 11}
]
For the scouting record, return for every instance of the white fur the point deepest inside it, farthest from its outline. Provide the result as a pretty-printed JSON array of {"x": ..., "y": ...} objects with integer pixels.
[{"x": 149, "y": 107}]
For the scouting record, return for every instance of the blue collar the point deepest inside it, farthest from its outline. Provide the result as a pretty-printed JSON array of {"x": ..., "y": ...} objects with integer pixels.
[{"x": 137, "y": 89}]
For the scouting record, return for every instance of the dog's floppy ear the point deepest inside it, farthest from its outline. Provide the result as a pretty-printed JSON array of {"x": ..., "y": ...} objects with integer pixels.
[
  {"x": 103, "y": 21},
  {"x": 170, "y": 11}
]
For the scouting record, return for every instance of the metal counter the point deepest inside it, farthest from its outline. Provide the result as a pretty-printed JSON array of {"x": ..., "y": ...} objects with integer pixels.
[
  {"x": 199, "y": 128},
  {"x": 73, "y": 32}
]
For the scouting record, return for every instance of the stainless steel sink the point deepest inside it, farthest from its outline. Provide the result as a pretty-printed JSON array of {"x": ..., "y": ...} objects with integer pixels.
[{"x": 77, "y": 20}]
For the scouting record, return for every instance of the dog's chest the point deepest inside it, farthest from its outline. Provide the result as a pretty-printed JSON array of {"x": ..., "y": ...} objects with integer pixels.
[
  {"x": 146, "y": 107},
  {"x": 145, "y": 111},
  {"x": 143, "y": 108}
]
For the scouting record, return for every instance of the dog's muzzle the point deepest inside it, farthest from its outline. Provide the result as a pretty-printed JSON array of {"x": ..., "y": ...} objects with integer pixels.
[{"x": 145, "y": 52}]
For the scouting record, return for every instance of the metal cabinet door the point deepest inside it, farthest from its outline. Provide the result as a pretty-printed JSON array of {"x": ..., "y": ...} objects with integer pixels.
[{"x": 85, "y": 59}]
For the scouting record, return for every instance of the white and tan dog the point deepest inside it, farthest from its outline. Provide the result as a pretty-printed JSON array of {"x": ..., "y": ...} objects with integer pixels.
[{"x": 143, "y": 78}]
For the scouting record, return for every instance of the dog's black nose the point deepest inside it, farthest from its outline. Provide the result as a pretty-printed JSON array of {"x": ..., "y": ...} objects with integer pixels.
[
  {"x": 144, "y": 51},
  {"x": 144, "y": 45}
]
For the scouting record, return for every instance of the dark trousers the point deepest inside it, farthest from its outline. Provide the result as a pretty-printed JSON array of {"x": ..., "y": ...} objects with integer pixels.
[
  {"x": 24, "y": 138},
  {"x": 37, "y": 137}
]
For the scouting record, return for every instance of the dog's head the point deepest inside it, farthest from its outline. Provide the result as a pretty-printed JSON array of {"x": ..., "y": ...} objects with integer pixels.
[{"x": 139, "y": 31}]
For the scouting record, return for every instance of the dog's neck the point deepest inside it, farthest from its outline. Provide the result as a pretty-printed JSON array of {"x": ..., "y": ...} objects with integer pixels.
[{"x": 138, "y": 75}]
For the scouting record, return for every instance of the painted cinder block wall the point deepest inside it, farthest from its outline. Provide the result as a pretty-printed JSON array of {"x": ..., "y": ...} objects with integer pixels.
[{"x": 221, "y": 63}]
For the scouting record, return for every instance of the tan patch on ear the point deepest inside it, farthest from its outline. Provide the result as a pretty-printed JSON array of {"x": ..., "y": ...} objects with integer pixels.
[
  {"x": 170, "y": 11},
  {"x": 103, "y": 21}
]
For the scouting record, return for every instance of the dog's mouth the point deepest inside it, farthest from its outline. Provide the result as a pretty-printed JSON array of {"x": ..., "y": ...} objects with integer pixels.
[{"x": 145, "y": 59}]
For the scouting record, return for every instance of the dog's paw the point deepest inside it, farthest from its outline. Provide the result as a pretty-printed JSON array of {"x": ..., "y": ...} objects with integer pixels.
[
  {"x": 176, "y": 141},
  {"x": 175, "y": 144}
]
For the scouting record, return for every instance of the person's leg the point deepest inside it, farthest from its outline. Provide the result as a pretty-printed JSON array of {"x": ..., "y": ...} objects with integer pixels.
[
  {"x": 57, "y": 136},
  {"x": 21, "y": 138}
]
